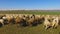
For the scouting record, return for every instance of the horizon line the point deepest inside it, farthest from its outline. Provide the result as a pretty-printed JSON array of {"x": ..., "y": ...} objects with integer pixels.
[{"x": 29, "y": 9}]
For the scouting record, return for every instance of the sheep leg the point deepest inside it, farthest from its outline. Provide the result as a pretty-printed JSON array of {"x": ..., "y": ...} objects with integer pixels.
[
  {"x": 53, "y": 25},
  {"x": 56, "y": 25},
  {"x": 46, "y": 27},
  {"x": 3, "y": 24}
]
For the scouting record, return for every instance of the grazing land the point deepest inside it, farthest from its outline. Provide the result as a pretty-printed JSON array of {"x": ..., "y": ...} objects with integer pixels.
[
  {"x": 16, "y": 29},
  {"x": 52, "y": 12}
]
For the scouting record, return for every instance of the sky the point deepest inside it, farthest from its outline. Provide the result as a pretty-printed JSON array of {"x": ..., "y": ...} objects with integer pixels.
[{"x": 30, "y": 4}]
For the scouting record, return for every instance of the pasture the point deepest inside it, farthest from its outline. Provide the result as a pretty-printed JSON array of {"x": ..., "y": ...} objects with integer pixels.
[{"x": 39, "y": 29}]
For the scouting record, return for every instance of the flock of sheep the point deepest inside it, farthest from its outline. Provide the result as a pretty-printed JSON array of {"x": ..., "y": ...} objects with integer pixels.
[{"x": 30, "y": 20}]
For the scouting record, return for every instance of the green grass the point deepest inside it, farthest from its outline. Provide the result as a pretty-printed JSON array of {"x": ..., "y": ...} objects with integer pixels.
[
  {"x": 30, "y": 12},
  {"x": 15, "y": 29}
]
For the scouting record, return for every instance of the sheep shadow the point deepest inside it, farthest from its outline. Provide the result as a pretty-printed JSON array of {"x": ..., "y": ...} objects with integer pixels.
[{"x": 1, "y": 24}]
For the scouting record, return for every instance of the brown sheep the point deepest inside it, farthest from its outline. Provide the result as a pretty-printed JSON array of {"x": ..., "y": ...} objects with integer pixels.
[
  {"x": 18, "y": 19},
  {"x": 21, "y": 20},
  {"x": 32, "y": 21},
  {"x": 10, "y": 19}
]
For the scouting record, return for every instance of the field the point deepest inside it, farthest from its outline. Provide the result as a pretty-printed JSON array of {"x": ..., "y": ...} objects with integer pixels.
[
  {"x": 45, "y": 12},
  {"x": 16, "y": 29}
]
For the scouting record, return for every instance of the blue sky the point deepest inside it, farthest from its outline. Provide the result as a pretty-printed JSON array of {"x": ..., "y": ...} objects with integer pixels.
[{"x": 30, "y": 4}]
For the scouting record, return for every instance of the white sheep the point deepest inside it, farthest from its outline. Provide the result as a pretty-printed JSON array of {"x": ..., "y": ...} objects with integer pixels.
[
  {"x": 1, "y": 21},
  {"x": 46, "y": 23},
  {"x": 55, "y": 22}
]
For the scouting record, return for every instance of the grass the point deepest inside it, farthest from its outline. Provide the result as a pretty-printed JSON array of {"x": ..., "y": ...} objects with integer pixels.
[
  {"x": 16, "y": 29},
  {"x": 31, "y": 12}
]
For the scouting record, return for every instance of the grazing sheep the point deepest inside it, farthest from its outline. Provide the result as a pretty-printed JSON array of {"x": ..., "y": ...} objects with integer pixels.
[
  {"x": 18, "y": 19},
  {"x": 40, "y": 19},
  {"x": 55, "y": 22},
  {"x": 24, "y": 20},
  {"x": 10, "y": 19},
  {"x": 5, "y": 20},
  {"x": 1, "y": 22},
  {"x": 32, "y": 20},
  {"x": 35, "y": 20},
  {"x": 21, "y": 20},
  {"x": 47, "y": 24}
]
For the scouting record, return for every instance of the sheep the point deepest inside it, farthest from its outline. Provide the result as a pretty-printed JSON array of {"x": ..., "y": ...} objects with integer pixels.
[
  {"x": 59, "y": 19},
  {"x": 47, "y": 24},
  {"x": 1, "y": 22},
  {"x": 40, "y": 19},
  {"x": 10, "y": 19},
  {"x": 21, "y": 20},
  {"x": 24, "y": 20},
  {"x": 18, "y": 19},
  {"x": 5, "y": 20},
  {"x": 32, "y": 20},
  {"x": 55, "y": 22}
]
